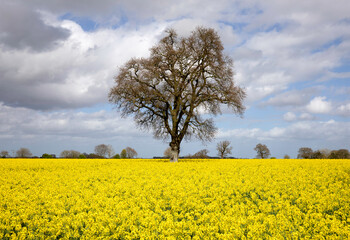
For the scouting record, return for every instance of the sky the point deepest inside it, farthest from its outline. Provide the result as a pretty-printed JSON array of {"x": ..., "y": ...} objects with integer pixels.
[{"x": 58, "y": 59}]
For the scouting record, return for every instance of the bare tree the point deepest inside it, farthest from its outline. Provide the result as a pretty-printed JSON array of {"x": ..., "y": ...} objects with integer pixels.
[
  {"x": 130, "y": 152},
  {"x": 305, "y": 152},
  {"x": 110, "y": 151},
  {"x": 104, "y": 150},
  {"x": 224, "y": 148},
  {"x": 167, "y": 152},
  {"x": 182, "y": 78},
  {"x": 101, "y": 150},
  {"x": 262, "y": 151},
  {"x": 4, "y": 154},
  {"x": 23, "y": 153},
  {"x": 70, "y": 154},
  {"x": 325, "y": 152},
  {"x": 200, "y": 154}
]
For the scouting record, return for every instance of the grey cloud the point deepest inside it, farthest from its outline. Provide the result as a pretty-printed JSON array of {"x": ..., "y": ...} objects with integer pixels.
[
  {"x": 22, "y": 27},
  {"x": 136, "y": 11},
  {"x": 303, "y": 130},
  {"x": 293, "y": 98},
  {"x": 51, "y": 97},
  {"x": 78, "y": 73},
  {"x": 23, "y": 122},
  {"x": 54, "y": 132}
]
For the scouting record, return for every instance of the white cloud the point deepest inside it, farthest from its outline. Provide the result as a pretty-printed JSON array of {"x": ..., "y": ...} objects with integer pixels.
[
  {"x": 78, "y": 73},
  {"x": 276, "y": 132},
  {"x": 23, "y": 122},
  {"x": 289, "y": 117},
  {"x": 344, "y": 109},
  {"x": 239, "y": 133},
  {"x": 297, "y": 40},
  {"x": 304, "y": 130},
  {"x": 319, "y": 105},
  {"x": 293, "y": 98},
  {"x": 306, "y": 117}
]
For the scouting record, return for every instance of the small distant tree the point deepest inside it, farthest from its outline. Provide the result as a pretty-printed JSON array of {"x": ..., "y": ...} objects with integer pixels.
[
  {"x": 130, "y": 152},
  {"x": 305, "y": 153},
  {"x": 317, "y": 155},
  {"x": 343, "y": 153},
  {"x": 262, "y": 151},
  {"x": 340, "y": 154},
  {"x": 23, "y": 153},
  {"x": 201, "y": 154},
  {"x": 104, "y": 150},
  {"x": 224, "y": 148},
  {"x": 123, "y": 154},
  {"x": 117, "y": 156},
  {"x": 110, "y": 152},
  {"x": 82, "y": 156},
  {"x": 167, "y": 152},
  {"x": 65, "y": 154},
  {"x": 4, "y": 154},
  {"x": 70, "y": 154},
  {"x": 46, "y": 155},
  {"x": 286, "y": 156},
  {"x": 93, "y": 156},
  {"x": 325, "y": 152}
]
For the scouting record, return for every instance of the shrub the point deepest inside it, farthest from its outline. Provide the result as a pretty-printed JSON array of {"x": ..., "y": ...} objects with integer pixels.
[
  {"x": 46, "y": 155},
  {"x": 123, "y": 154}
]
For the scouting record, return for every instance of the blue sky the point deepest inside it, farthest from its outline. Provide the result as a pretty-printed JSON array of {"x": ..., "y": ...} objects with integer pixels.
[{"x": 58, "y": 59}]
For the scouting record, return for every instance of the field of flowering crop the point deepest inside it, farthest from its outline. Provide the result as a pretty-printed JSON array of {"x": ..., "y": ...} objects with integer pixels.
[{"x": 153, "y": 199}]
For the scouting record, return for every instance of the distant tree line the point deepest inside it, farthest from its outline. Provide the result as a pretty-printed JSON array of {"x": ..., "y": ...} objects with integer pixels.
[
  {"x": 101, "y": 151},
  {"x": 308, "y": 153},
  {"x": 223, "y": 150}
]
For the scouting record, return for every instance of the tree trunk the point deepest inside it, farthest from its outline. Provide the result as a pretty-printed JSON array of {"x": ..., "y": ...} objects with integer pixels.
[{"x": 175, "y": 150}]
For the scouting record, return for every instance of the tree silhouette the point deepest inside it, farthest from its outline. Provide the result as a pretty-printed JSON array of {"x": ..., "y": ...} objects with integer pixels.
[{"x": 183, "y": 78}]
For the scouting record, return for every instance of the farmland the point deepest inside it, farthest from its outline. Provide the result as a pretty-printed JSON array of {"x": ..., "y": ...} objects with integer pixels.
[{"x": 192, "y": 199}]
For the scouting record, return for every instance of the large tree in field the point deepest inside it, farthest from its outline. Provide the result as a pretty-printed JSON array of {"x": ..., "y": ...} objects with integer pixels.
[{"x": 170, "y": 90}]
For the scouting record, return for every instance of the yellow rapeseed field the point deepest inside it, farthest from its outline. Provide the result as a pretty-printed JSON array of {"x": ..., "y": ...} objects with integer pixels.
[{"x": 154, "y": 199}]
